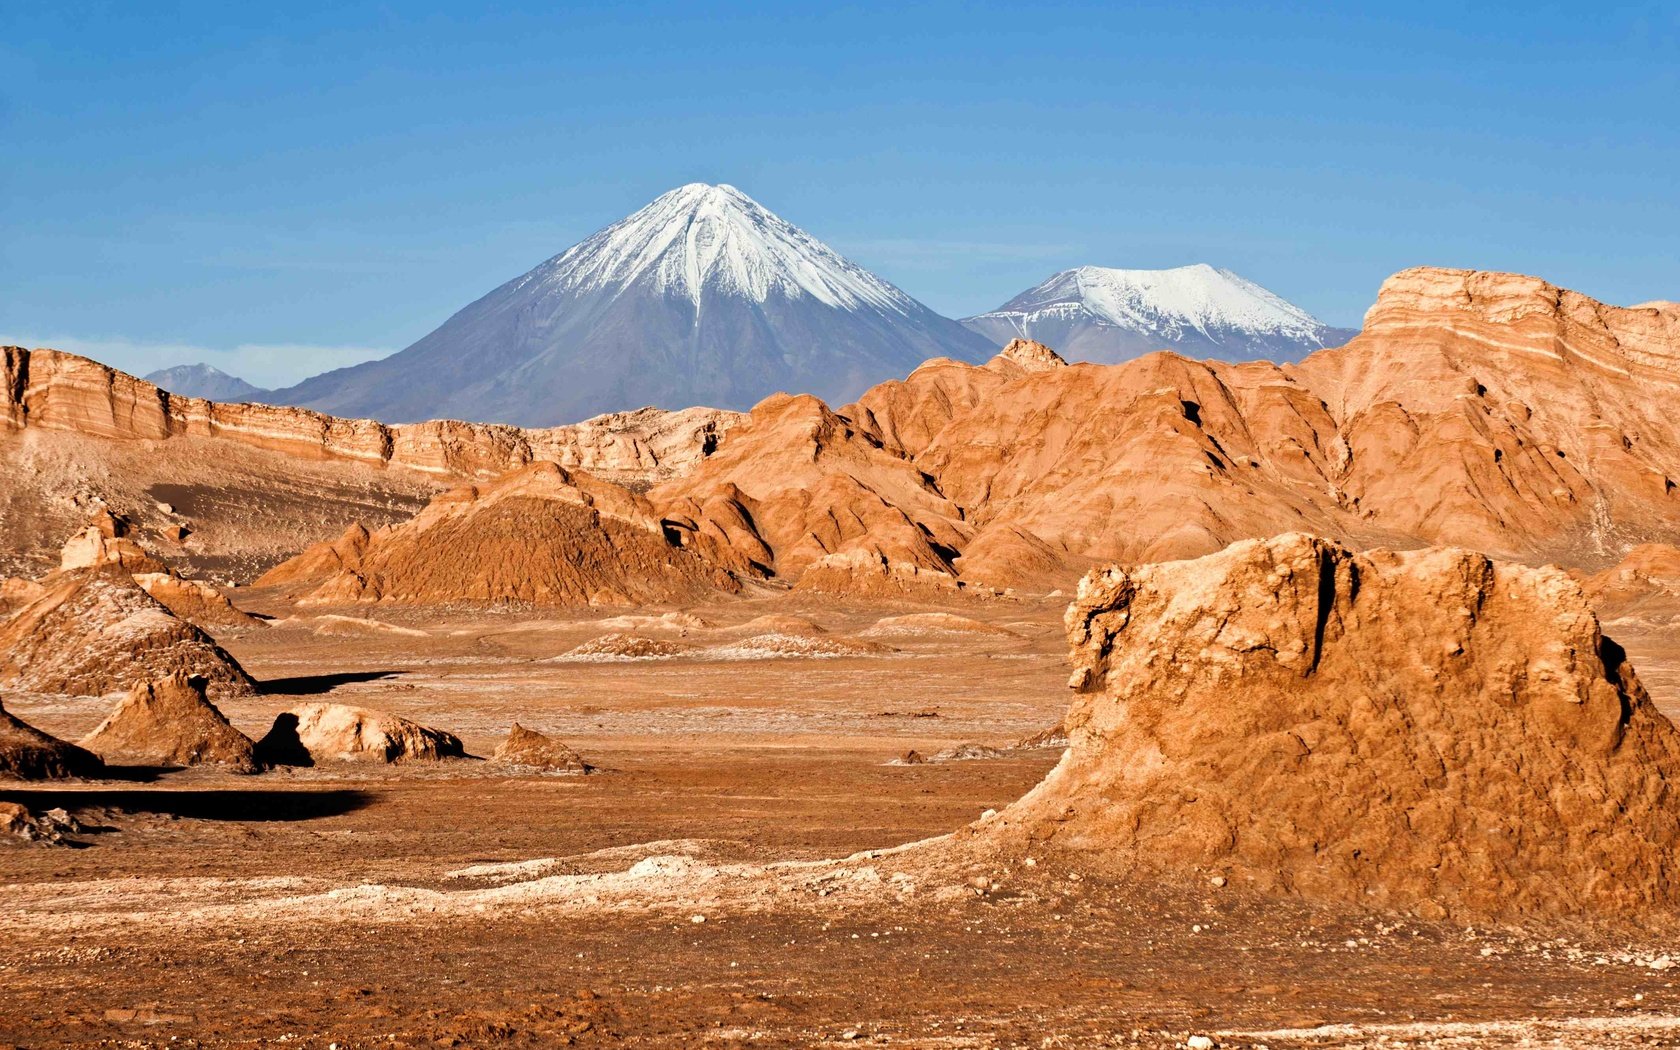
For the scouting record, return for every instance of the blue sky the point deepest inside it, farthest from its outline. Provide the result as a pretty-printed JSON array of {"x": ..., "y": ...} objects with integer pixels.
[{"x": 281, "y": 188}]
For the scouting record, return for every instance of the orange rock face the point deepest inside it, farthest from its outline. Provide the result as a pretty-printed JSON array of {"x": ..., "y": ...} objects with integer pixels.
[
  {"x": 798, "y": 482},
  {"x": 321, "y": 561},
  {"x": 541, "y": 534},
  {"x": 1430, "y": 731},
  {"x": 52, "y": 390},
  {"x": 1487, "y": 410}
]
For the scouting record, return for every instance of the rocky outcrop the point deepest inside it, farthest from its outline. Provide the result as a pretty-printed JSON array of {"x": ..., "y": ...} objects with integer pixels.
[
  {"x": 105, "y": 542},
  {"x": 53, "y": 390},
  {"x": 615, "y": 646},
  {"x": 321, "y": 561},
  {"x": 194, "y": 600},
  {"x": 16, "y": 592},
  {"x": 26, "y": 753},
  {"x": 1428, "y": 731},
  {"x": 904, "y": 415},
  {"x": 542, "y": 534},
  {"x": 798, "y": 483},
  {"x": 170, "y": 722},
  {"x": 92, "y": 548},
  {"x": 872, "y": 574},
  {"x": 96, "y": 631},
  {"x": 1027, "y": 355},
  {"x": 1644, "y": 586},
  {"x": 317, "y": 733},
  {"x": 527, "y": 747}
]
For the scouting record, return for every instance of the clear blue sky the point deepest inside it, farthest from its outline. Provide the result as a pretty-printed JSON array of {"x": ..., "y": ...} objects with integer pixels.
[{"x": 276, "y": 189}]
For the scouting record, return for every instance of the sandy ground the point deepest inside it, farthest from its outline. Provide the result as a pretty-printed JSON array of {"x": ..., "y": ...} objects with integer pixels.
[{"x": 730, "y": 878}]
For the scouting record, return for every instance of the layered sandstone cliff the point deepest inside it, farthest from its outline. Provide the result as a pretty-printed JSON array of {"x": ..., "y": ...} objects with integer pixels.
[
  {"x": 228, "y": 490},
  {"x": 54, "y": 390}
]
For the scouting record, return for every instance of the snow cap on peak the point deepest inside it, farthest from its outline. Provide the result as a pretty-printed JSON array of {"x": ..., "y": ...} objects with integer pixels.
[
  {"x": 701, "y": 238},
  {"x": 1198, "y": 296}
]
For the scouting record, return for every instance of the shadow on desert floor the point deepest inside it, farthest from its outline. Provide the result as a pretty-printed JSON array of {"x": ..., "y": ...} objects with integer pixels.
[
  {"x": 316, "y": 684},
  {"x": 233, "y": 804}
]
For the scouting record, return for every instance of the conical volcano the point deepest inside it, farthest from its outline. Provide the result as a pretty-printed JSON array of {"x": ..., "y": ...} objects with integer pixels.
[{"x": 702, "y": 297}]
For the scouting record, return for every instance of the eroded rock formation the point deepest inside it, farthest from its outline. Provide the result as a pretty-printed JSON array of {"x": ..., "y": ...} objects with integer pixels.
[
  {"x": 53, "y": 390},
  {"x": 170, "y": 722},
  {"x": 527, "y": 747},
  {"x": 194, "y": 600},
  {"x": 26, "y": 753},
  {"x": 797, "y": 483},
  {"x": 1430, "y": 731},
  {"x": 95, "y": 631},
  {"x": 541, "y": 534},
  {"x": 1644, "y": 584},
  {"x": 1487, "y": 410}
]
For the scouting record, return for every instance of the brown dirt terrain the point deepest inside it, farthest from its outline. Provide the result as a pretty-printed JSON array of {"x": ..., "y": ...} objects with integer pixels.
[{"x": 452, "y": 903}]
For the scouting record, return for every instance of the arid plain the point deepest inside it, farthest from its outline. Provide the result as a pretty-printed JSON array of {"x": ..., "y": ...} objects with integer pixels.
[{"x": 1357, "y": 732}]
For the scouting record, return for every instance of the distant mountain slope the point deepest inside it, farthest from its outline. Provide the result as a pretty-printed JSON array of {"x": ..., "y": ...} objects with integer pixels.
[
  {"x": 702, "y": 297},
  {"x": 204, "y": 381},
  {"x": 1095, "y": 313}
]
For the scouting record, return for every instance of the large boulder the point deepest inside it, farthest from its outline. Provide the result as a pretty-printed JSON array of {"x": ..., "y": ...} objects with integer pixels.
[
  {"x": 1429, "y": 731},
  {"x": 96, "y": 631},
  {"x": 170, "y": 722},
  {"x": 29, "y": 754},
  {"x": 315, "y": 733}
]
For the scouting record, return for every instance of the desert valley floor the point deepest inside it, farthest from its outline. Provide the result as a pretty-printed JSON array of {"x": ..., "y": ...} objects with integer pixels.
[
  {"x": 653, "y": 902},
  {"x": 1022, "y": 703}
]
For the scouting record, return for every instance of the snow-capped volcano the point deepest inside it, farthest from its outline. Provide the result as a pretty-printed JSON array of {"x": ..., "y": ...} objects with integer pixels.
[
  {"x": 702, "y": 297},
  {"x": 1095, "y": 313}
]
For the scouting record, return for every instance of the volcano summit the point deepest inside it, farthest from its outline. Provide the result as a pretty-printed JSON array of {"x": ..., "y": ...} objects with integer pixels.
[{"x": 702, "y": 297}]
